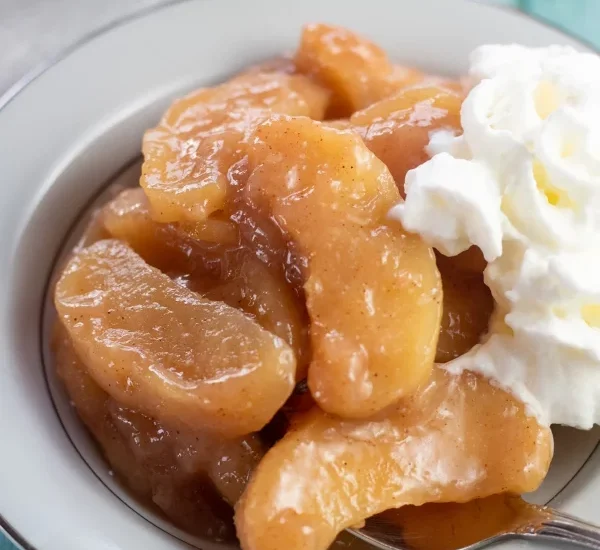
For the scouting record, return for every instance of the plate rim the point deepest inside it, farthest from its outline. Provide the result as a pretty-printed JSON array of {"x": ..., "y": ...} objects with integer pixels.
[{"x": 30, "y": 76}]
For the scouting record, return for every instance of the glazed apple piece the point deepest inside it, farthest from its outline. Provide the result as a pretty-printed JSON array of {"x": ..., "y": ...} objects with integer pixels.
[
  {"x": 166, "y": 466},
  {"x": 208, "y": 258},
  {"x": 187, "y": 155},
  {"x": 397, "y": 129},
  {"x": 157, "y": 347},
  {"x": 468, "y": 306},
  {"x": 373, "y": 291},
  {"x": 357, "y": 71},
  {"x": 456, "y": 439}
]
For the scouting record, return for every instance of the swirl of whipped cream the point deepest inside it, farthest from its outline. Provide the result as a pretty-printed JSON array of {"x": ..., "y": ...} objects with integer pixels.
[{"x": 523, "y": 184}]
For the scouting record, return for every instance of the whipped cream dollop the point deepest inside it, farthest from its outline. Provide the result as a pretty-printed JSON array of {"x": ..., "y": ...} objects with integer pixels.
[{"x": 522, "y": 183}]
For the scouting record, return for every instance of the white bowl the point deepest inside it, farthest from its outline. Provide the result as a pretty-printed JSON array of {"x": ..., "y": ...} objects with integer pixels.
[{"x": 75, "y": 127}]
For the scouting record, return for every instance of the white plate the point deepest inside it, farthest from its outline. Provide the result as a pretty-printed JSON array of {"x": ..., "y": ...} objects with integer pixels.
[{"x": 72, "y": 129}]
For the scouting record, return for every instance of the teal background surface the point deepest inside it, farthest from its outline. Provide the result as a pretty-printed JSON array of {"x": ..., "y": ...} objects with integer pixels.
[{"x": 577, "y": 17}]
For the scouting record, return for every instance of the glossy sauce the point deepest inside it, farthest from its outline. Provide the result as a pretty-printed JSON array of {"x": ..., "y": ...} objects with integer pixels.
[
  {"x": 189, "y": 475},
  {"x": 468, "y": 306},
  {"x": 450, "y": 526}
]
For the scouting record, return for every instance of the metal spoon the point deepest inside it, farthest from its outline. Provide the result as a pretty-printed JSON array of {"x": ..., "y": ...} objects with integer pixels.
[{"x": 474, "y": 525}]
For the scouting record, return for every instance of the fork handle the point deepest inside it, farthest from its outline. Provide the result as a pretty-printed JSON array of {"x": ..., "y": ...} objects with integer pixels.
[{"x": 561, "y": 527}]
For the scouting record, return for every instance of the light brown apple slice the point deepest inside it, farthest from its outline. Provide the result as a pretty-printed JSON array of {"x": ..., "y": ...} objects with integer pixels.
[
  {"x": 373, "y": 291},
  {"x": 157, "y": 347},
  {"x": 357, "y": 71},
  {"x": 187, "y": 156},
  {"x": 458, "y": 438}
]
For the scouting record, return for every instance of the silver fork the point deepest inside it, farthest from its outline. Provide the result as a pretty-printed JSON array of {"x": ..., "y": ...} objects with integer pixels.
[{"x": 527, "y": 522}]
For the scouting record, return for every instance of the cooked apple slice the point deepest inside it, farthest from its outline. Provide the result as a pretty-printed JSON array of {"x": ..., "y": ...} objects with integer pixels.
[
  {"x": 357, "y": 71},
  {"x": 456, "y": 439},
  {"x": 397, "y": 129},
  {"x": 208, "y": 258},
  {"x": 186, "y": 157},
  {"x": 373, "y": 291},
  {"x": 155, "y": 346}
]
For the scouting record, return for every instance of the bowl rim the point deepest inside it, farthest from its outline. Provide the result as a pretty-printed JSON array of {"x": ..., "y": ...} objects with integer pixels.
[
  {"x": 32, "y": 74},
  {"x": 12, "y": 534}
]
